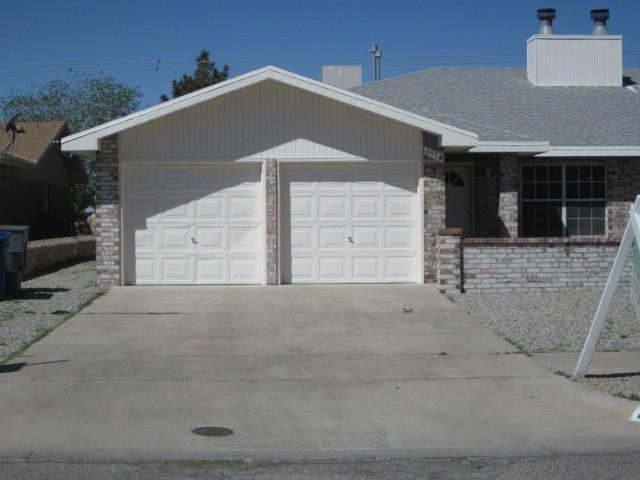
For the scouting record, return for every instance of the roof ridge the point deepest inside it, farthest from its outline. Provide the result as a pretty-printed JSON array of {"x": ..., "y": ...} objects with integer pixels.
[{"x": 441, "y": 67}]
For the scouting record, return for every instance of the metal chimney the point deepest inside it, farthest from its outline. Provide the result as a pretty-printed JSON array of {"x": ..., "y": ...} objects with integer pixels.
[
  {"x": 546, "y": 16},
  {"x": 600, "y": 17}
]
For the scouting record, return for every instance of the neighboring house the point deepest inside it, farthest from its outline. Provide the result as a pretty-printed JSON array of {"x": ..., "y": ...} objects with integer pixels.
[
  {"x": 272, "y": 178},
  {"x": 36, "y": 179}
]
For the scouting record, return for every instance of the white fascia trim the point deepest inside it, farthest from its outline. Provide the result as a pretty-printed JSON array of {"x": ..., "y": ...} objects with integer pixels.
[
  {"x": 87, "y": 140},
  {"x": 517, "y": 146},
  {"x": 595, "y": 151}
]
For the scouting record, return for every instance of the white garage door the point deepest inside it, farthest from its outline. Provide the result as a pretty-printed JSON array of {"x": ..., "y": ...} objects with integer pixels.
[
  {"x": 349, "y": 223},
  {"x": 193, "y": 224}
]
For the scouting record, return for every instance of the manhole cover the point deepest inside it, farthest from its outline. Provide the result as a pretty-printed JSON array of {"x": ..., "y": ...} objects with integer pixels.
[{"x": 213, "y": 431}]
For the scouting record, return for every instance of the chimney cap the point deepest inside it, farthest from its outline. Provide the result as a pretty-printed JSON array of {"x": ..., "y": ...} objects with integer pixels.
[
  {"x": 600, "y": 14},
  {"x": 546, "y": 13}
]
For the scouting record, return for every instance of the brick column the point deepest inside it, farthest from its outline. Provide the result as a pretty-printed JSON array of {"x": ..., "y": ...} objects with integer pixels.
[
  {"x": 450, "y": 260},
  {"x": 508, "y": 200},
  {"x": 434, "y": 207},
  {"x": 271, "y": 189},
  {"x": 107, "y": 213}
]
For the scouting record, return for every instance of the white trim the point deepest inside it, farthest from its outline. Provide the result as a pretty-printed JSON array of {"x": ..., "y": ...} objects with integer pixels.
[
  {"x": 515, "y": 147},
  {"x": 122, "y": 182},
  {"x": 87, "y": 140},
  {"x": 594, "y": 151},
  {"x": 420, "y": 228},
  {"x": 263, "y": 186}
]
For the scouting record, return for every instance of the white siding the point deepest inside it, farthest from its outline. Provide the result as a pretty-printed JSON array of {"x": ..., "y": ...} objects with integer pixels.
[
  {"x": 575, "y": 60},
  {"x": 271, "y": 120}
]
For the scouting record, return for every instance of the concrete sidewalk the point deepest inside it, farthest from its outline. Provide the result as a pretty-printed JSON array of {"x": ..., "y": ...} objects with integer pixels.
[{"x": 296, "y": 372}]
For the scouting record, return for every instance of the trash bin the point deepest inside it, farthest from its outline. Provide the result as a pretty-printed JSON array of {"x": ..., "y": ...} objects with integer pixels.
[
  {"x": 4, "y": 243},
  {"x": 16, "y": 255}
]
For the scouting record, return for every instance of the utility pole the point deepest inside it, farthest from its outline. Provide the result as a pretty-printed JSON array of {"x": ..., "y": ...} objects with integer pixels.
[{"x": 376, "y": 56}]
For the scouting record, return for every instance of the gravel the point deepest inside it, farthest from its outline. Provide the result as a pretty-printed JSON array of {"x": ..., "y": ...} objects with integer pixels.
[
  {"x": 626, "y": 387},
  {"x": 552, "y": 321},
  {"x": 558, "y": 321},
  {"x": 43, "y": 303}
]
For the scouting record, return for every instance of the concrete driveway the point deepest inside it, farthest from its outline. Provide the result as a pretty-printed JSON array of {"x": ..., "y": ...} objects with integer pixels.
[{"x": 313, "y": 371}]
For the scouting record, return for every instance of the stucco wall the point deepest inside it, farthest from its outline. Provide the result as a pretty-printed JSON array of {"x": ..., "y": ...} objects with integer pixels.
[{"x": 44, "y": 255}]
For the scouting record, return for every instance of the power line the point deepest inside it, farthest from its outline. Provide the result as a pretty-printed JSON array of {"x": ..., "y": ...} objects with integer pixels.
[{"x": 157, "y": 64}]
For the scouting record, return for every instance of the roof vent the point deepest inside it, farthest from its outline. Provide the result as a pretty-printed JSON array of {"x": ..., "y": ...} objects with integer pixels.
[
  {"x": 546, "y": 17},
  {"x": 600, "y": 17}
]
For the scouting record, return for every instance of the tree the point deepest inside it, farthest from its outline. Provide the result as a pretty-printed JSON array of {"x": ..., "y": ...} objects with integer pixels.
[
  {"x": 205, "y": 74},
  {"x": 84, "y": 102}
]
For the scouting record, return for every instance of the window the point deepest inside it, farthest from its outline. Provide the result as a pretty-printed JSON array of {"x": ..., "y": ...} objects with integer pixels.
[
  {"x": 559, "y": 200},
  {"x": 453, "y": 179}
]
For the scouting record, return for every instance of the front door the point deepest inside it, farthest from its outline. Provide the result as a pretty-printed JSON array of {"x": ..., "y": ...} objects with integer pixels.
[{"x": 459, "y": 212}]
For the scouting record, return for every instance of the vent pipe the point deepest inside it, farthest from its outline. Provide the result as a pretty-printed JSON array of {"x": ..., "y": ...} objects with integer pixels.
[
  {"x": 546, "y": 17},
  {"x": 600, "y": 17}
]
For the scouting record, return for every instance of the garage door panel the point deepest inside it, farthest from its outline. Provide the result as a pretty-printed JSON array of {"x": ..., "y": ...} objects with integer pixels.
[
  {"x": 400, "y": 237},
  {"x": 366, "y": 237},
  {"x": 302, "y": 269},
  {"x": 176, "y": 210},
  {"x": 302, "y": 208},
  {"x": 243, "y": 238},
  {"x": 367, "y": 268},
  {"x": 302, "y": 237},
  {"x": 333, "y": 268},
  {"x": 146, "y": 270},
  {"x": 243, "y": 270},
  {"x": 332, "y": 208},
  {"x": 365, "y": 207},
  {"x": 175, "y": 178},
  {"x": 208, "y": 238},
  {"x": 332, "y": 237},
  {"x": 350, "y": 223},
  {"x": 210, "y": 208},
  {"x": 175, "y": 238},
  {"x": 399, "y": 208},
  {"x": 243, "y": 207},
  {"x": 145, "y": 239},
  {"x": 210, "y": 270},
  {"x": 193, "y": 224},
  {"x": 177, "y": 269},
  {"x": 400, "y": 268}
]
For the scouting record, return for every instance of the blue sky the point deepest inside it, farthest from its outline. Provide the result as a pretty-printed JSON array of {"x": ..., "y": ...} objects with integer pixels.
[{"x": 44, "y": 40}]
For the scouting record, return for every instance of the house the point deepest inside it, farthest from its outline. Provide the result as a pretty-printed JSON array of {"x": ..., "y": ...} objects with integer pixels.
[
  {"x": 36, "y": 179},
  {"x": 475, "y": 178}
]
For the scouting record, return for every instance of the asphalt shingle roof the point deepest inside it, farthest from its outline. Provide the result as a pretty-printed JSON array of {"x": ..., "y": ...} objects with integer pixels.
[
  {"x": 32, "y": 140},
  {"x": 500, "y": 104}
]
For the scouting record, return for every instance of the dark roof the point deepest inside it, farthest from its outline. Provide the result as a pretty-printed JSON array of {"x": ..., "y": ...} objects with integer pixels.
[
  {"x": 34, "y": 141},
  {"x": 500, "y": 104}
]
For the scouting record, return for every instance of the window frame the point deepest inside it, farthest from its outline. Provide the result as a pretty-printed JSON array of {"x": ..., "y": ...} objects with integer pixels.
[{"x": 564, "y": 200}]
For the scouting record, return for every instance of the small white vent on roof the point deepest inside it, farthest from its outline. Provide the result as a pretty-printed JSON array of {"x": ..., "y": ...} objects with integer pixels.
[{"x": 342, "y": 76}]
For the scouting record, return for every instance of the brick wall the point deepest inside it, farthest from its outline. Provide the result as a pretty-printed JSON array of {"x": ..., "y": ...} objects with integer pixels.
[
  {"x": 449, "y": 260},
  {"x": 107, "y": 213},
  {"x": 623, "y": 184},
  {"x": 434, "y": 206},
  {"x": 518, "y": 264},
  {"x": 271, "y": 187}
]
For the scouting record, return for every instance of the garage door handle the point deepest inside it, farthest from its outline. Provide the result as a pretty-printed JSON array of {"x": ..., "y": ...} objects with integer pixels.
[
  {"x": 193, "y": 240},
  {"x": 350, "y": 239}
]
